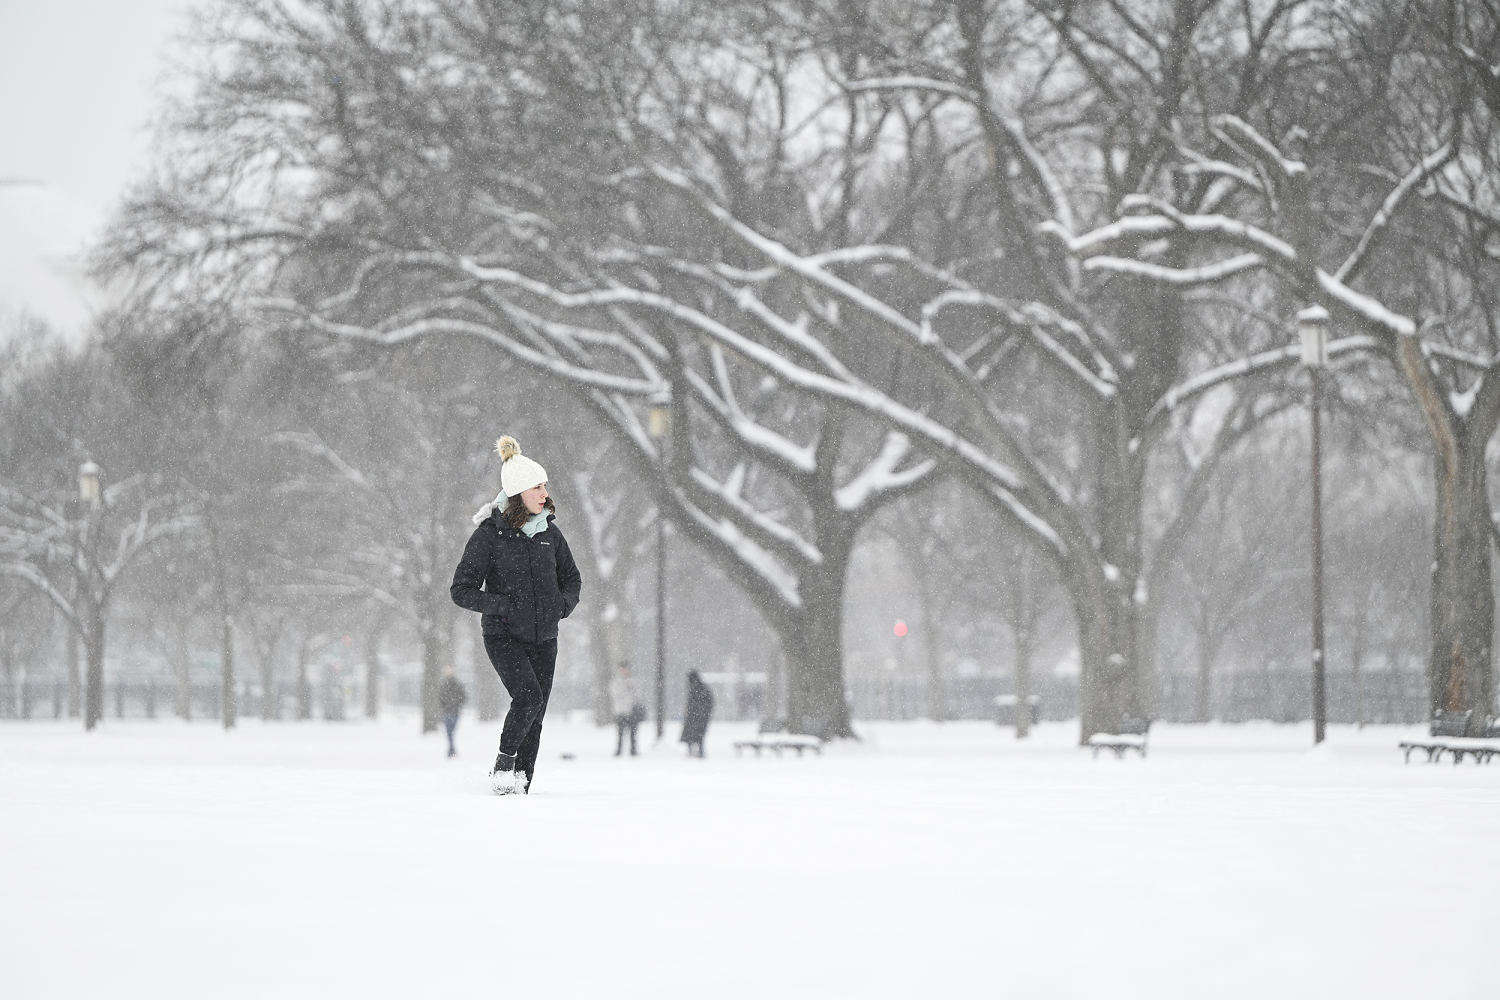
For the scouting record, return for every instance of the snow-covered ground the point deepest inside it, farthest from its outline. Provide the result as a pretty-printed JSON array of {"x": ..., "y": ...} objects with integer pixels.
[{"x": 162, "y": 860}]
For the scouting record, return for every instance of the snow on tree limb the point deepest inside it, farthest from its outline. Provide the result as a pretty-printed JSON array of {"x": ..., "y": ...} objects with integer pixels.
[
  {"x": 793, "y": 332},
  {"x": 773, "y": 535},
  {"x": 791, "y": 261},
  {"x": 762, "y": 440},
  {"x": 1467, "y": 359},
  {"x": 1366, "y": 308},
  {"x": 1240, "y": 135},
  {"x": 642, "y": 388},
  {"x": 1038, "y": 527},
  {"x": 1015, "y": 132},
  {"x": 29, "y": 574},
  {"x": 1182, "y": 277},
  {"x": 761, "y": 562},
  {"x": 1429, "y": 165},
  {"x": 1137, "y": 227},
  {"x": 881, "y": 474},
  {"x": 1036, "y": 320},
  {"x": 1198, "y": 164},
  {"x": 1095, "y": 247},
  {"x": 1279, "y": 357}
]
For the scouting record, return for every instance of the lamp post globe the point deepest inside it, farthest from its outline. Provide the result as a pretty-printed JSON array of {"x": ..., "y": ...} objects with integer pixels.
[{"x": 89, "y": 475}]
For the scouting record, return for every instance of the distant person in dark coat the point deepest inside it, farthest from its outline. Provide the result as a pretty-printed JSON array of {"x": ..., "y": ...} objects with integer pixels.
[
  {"x": 451, "y": 698},
  {"x": 519, "y": 574},
  {"x": 700, "y": 705}
]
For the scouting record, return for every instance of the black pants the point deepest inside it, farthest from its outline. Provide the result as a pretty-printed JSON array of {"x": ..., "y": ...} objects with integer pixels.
[
  {"x": 625, "y": 724},
  {"x": 450, "y": 723},
  {"x": 526, "y": 670}
]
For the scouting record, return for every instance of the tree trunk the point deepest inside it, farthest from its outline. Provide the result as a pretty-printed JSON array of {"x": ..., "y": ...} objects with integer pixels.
[
  {"x": 1107, "y": 572},
  {"x": 372, "y": 671},
  {"x": 182, "y": 667},
  {"x": 1108, "y": 689},
  {"x": 816, "y": 704},
  {"x": 1460, "y": 673},
  {"x": 1357, "y": 645},
  {"x": 13, "y": 707},
  {"x": 606, "y": 643},
  {"x": 815, "y": 698},
  {"x": 1147, "y": 646},
  {"x": 433, "y": 636},
  {"x": 1203, "y": 707},
  {"x": 229, "y": 706},
  {"x": 1102, "y": 679},
  {"x": 270, "y": 698},
  {"x": 937, "y": 694},
  {"x": 75, "y": 679},
  {"x": 93, "y": 645},
  {"x": 304, "y": 686},
  {"x": 489, "y": 694},
  {"x": 1025, "y": 645}
]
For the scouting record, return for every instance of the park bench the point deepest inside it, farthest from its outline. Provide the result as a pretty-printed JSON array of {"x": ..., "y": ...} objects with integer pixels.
[
  {"x": 1449, "y": 733},
  {"x": 773, "y": 736},
  {"x": 1131, "y": 735},
  {"x": 779, "y": 742}
]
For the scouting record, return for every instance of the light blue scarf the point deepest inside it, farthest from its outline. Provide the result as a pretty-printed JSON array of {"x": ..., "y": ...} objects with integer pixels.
[{"x": 534, "y": 526}]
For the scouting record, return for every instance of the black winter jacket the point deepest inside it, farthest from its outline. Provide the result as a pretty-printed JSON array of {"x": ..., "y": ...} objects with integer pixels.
[
  {"x": 528, "y": 584},
  {"x": 451, "y": 695}
]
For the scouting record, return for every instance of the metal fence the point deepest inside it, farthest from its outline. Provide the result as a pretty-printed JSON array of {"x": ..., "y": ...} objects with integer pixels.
[{"x": 1279, "y": 694}]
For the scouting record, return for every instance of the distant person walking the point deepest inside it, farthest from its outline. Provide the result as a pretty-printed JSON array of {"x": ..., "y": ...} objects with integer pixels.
[
  {"x": 451, "y": 698},
  {"x": 700, "y": 705},
  {"x": 625, "y": 703},
  {"x": 519, "y": 574}
]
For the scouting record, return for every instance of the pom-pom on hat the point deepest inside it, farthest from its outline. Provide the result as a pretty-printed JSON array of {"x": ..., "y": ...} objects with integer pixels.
[{"x": 517, "y": 472}]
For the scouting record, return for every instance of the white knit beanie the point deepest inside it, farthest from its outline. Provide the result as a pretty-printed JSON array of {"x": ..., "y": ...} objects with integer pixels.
[{"x": 517, "y": 473}]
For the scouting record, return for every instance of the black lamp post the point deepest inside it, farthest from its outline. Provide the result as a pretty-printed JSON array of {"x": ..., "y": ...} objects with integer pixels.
[
  {"x": 90, "y": 614},
  {"x": 1312, "y": 326},
  {"x": 658, "y": 425}
]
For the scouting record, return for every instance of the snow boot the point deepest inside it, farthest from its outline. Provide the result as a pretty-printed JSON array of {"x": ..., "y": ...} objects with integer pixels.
[{"x": 503, "y": 776}]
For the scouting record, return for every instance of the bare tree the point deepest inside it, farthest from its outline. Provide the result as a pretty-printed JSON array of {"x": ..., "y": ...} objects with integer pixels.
[
  {"x": 1436, "y": 324},
  {"x": 75, "y": 552}
]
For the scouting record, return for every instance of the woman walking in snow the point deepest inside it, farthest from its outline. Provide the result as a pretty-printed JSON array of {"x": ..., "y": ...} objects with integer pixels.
[{"x": 518, "y": 573}]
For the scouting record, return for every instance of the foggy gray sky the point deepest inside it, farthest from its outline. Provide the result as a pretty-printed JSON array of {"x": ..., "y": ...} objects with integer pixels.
[{"x": 77, "y": 78}]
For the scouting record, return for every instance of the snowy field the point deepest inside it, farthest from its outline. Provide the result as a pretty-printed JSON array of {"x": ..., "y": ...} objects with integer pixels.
[{"x": 164, "y": 860}]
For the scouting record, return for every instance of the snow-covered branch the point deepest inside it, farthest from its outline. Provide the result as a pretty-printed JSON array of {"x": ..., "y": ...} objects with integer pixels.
[
  {"x": 1182, "y": 277},
  {"x": 765, "y": 565},
  {"x": 769, "y": 534},
  {"x": 1240, "y": 135},
  {"x": 1132, "y": 230},
  {"x": 1038, "y": 322},
  {"x": 1276, "y": 358},
  {"x": 761, "y": 440},
  {"x": 1430, "y": 164},
  {"x": 28, "y": 573},
  {"x": 578, "y": 374},
  {"x": 882, "y": 475}
]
